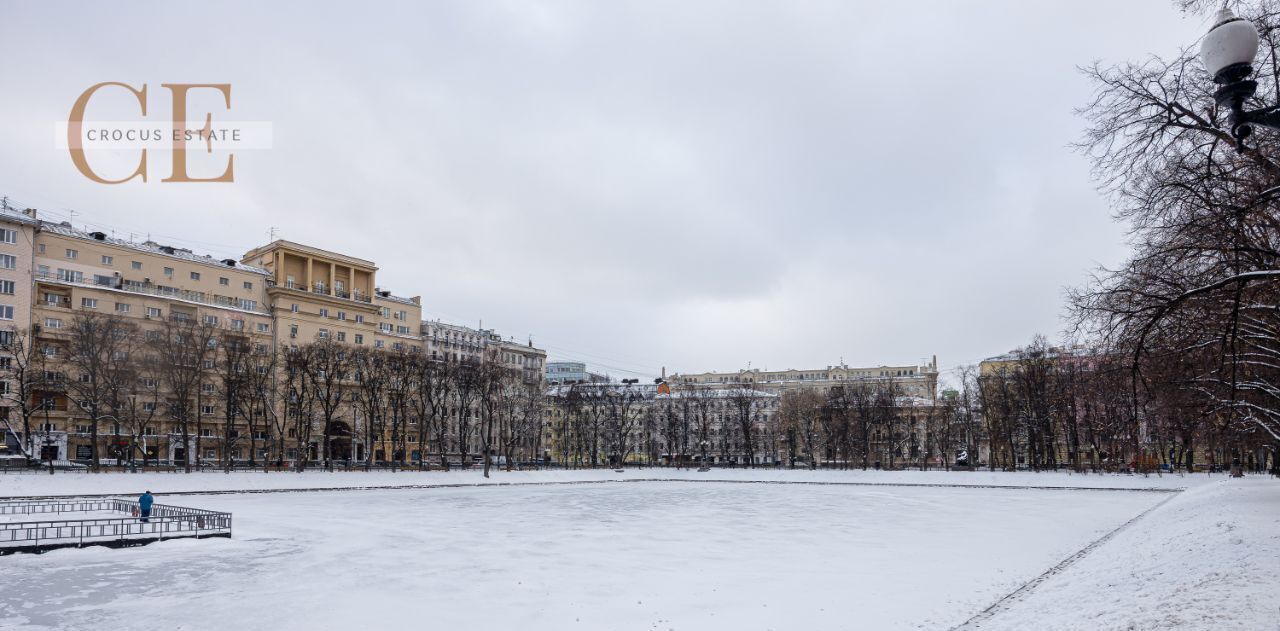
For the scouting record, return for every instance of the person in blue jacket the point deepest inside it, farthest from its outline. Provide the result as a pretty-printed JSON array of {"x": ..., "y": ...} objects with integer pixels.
[{"x": 144, "y": 504}]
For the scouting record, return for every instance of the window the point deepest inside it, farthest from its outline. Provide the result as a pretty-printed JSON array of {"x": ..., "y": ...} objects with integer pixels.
[
  {"x": 223, "y": 280},
  {"x": 359, "y": 318},
  {"x": 71, "y": 254},
  {"x": 294, "y": 308},
  {"x": 122, "y": 307},
  {"x": 52, "y": 323},
  {"x": 208, "y": 363},
  {"x": 386, "y": 312},
  {"x": 70, "y": 275},
  {"x": 168, "y": 271},
  {"x": 237, "y": 325},
  {"x": 206, "y": 387},
  {"x": 8, "y": 261},
  {"x": 401, "y": 315},
  {"x": 8, "y": 236},
  {"x": 264, "y": 327},
  {"x": 135, "y": 264},
  {"x": 6, "y": 338},
  {"x": 342, "y": 336},
  {"x": 6, "y": 312},
  {"x": 290, "y": 282},
  {"x": 7, "y": 287},
  {"x": 149, "y": 382},
  {"x": 248, "y": 285},
  {"x": 153, "y": 312},
  {"x": 148, "y": 406},
  {"x": 324, "y": 313},
  {"x": 89, "y": 303},
  {"x": 42, "y": 270},
  {"x": 246, "y": 304},
  {"x": 293, "y": 330},
  {"x": 211, "y": 320},
  {"x": 195, "y": 275},
  {"x": 40, "y": 248},
  {"x": 107, "y": 260},
  {"x": 359, "y": 339},
  {"x": 342, "y": 315},
  {"x": 324, "y": 334}
]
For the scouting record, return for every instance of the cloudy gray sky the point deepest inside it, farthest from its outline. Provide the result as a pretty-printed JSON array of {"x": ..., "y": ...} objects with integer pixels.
[{"x": 697, "y": 184}]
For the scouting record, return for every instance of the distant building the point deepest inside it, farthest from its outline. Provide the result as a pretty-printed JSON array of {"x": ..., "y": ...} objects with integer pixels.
[
  {"x": 531, "y": 362},
  {"x": 572, "y": 372},
  {"x": 919, "y": 381},
  {"x": 454, "y": 342}
]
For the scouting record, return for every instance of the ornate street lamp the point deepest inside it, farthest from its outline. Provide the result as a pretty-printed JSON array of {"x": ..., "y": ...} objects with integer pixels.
[{"x": 1227, "y": 51}]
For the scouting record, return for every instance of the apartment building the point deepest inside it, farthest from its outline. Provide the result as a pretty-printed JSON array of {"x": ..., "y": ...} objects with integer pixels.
[
  {"x": 454, "y": 342},
  {"x": 529, "y": 361},
  {"x": 662, "y": 425},
  {"x": 17, "y": 247},
  {"x": 150, "y": 285},
  {"x": 316, "y": 294},
  {"x": 918, "y": 380}
]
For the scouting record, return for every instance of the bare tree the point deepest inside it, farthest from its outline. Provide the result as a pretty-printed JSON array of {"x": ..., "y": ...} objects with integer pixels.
[
  {"x": 97, "y": 349},
  {"x": 182, "y": 348},
  {"x": 22, "y": 371}
]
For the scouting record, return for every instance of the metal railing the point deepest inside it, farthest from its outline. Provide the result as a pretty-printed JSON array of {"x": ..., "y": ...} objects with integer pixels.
[
  {"x": 57, "y": 531},
  {"x": 152, "y": 289}
]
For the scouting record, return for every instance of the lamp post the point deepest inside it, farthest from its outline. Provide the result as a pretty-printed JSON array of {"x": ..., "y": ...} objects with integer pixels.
[{"x": 1228, "y": 51}]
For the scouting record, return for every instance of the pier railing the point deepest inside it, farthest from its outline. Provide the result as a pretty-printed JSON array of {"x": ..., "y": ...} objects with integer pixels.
[{"x": 41, "y": 525}]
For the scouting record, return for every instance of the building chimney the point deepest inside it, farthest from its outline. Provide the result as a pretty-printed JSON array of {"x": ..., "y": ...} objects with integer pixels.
[
  {"x": 30, "y": 212},
  {"x": 664, "y": 372}
]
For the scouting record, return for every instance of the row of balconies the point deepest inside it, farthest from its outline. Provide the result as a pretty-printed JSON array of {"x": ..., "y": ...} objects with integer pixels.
[{"x": 147, "y": 288}]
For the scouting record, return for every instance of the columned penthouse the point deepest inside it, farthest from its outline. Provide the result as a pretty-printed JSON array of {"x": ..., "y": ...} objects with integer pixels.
[{"x": 318, "y": 294}]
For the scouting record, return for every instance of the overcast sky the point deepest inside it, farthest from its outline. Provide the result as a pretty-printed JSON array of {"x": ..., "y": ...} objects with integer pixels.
[{"x": 697, "y": 185}]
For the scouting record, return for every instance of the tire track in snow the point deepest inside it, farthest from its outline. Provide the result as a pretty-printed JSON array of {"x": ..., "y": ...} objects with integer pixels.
[{"x": 1021, "y": 592}]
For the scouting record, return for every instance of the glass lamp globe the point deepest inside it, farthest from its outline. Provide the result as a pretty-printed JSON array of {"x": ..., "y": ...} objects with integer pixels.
[{"x": 1230, "y": 45}]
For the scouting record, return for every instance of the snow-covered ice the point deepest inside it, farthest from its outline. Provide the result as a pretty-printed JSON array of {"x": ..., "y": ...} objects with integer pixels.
[{"x": 670, "y": 554}]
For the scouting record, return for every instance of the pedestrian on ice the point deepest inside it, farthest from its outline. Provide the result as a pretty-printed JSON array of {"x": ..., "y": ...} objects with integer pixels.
[{"x": 144, "y": 504}]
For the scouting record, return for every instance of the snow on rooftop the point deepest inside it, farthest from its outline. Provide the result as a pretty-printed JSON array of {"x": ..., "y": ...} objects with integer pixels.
[{"x": 149, "y": 247}]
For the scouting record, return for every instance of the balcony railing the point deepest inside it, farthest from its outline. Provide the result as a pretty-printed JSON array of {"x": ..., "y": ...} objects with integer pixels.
[
  {"x": 324, "y": 291},
  {"x": 150, "y": 289}
]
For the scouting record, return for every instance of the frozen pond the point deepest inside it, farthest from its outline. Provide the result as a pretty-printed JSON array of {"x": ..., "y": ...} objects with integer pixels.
[{"x": 642, "y": 555}]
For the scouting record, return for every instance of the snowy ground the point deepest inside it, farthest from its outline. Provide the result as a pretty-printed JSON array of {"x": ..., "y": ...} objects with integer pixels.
[
  {"x": 671, "y": 554},
  {"x": 30, "y": 484}
]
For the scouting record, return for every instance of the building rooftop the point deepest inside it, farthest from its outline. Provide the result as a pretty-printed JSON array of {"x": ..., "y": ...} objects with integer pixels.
[
  {"x": 17, "y": 216},
  {"x": 320, "y": 252},
  {"x": 149, "y": 247}
]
